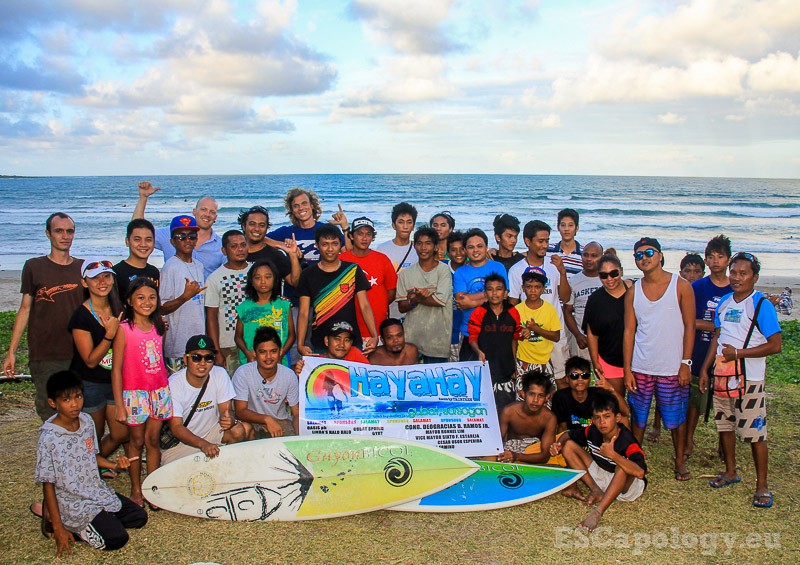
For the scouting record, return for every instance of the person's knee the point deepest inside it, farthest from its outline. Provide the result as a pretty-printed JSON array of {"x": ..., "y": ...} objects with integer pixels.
[
  {"x": 136, "y": 519},
  {"x": 116, "y": 540}
]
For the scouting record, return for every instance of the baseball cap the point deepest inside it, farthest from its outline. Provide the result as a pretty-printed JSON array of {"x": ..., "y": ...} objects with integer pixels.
[
  {"x": 183, "y": 222},
  {"x": 361, "y": 222},
  {"x": 341, "y": 327},
  {"x": 649, "y": 241},
  {"x": 198, "y": 342},
  {"x": 535, "y": 274},
  {"x": 94, "y": 266}
]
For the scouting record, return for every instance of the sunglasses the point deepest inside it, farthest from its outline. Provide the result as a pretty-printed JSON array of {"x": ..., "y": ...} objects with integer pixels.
[
  {"x": 575, "y": 376},
  {"x": 96, "y": 264},
  {"x": 639, "y": 255},
  {"x": 184, "y": 236},
  {"x": 610, "y": 274},
  {"x": 743, "y": 255},
  {"x": 196, "y": 357}
]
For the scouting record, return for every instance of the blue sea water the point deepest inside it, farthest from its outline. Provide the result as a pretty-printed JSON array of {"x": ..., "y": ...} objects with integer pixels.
[{"x": 760, "y": 215}]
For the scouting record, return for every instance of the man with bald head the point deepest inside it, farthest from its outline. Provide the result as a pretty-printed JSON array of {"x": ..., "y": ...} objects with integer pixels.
[
  {"x": 583, "y": 284},
  {"x": 208, "y": 250}
]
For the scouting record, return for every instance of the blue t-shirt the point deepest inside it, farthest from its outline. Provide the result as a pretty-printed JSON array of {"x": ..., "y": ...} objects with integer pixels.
[
  {"x": 470, "y": 279},
  {"x": 706, "y": 299},
  {"x": 209, "y": 254}
]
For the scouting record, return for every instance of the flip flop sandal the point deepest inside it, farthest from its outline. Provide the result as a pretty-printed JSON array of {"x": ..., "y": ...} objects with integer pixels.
[
  {"x": 722, "y": 481},
  {"x": 757, "y": 500},
  {"x": 108, "y": 474},
  {"x": 683, "y": 475}
]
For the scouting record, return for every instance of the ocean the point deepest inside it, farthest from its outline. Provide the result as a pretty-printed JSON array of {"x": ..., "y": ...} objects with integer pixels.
[{"x": 760, "y": 215}]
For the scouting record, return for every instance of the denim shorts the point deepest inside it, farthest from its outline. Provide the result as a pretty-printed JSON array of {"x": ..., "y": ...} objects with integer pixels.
[{"x": 96, "y": 396}]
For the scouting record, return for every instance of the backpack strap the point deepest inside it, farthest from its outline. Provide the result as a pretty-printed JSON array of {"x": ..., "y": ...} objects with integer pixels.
[{"x": 753, "y": 325}]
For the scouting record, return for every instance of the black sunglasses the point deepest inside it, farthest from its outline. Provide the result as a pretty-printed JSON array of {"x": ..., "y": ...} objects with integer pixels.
[
  {"x": 610, "y": 274},
  {"x": 183, "y": 236},
  {"x": 197, "y": 357},
  {"x": 584, "y": 375}
]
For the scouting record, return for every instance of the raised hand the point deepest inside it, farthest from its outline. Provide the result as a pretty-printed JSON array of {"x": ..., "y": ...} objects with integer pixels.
[{"x": 147, "y": 190}]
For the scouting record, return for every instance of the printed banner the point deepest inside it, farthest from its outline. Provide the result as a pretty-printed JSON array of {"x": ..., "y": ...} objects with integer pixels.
[{"x": 449, "y": 405}]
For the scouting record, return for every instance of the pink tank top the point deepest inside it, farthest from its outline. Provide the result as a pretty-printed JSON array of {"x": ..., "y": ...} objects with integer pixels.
[{"x": 143, "y": 361}]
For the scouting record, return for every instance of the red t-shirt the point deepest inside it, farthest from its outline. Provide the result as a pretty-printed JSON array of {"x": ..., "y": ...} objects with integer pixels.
[
  {"x": 356, "y": 356},
  {"x": 382, "y": 278}
]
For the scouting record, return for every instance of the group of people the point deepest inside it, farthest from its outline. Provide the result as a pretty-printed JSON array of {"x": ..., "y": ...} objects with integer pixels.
[{"x": 127, "y": 354}]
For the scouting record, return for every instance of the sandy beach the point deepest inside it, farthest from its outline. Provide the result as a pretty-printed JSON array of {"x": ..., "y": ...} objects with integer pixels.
[{"x": 10, "y": 297}]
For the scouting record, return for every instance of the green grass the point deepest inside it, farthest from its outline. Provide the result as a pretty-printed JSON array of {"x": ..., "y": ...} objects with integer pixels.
[
  {"x": 785, "y": 367},
  {"x": 6, "y": 325},
  {"x": 688, "y": 518}
]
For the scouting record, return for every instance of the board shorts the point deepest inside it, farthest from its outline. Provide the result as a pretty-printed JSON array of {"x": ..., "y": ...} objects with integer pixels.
[
  {"x": 559, "y": 356},
  {"x": 214, "y": 436},
  {"x": 747, "y": 416},
  {"x": 603, "y": 479},
  {"x": 532, "y": 445},
  {"x": 698, "y": 400},
  {"x": 145, "y": 404},
  {"x": 174, "y": 364},
  {"x": 671, "y": 399},
  {"x": 96, "y": 396}
]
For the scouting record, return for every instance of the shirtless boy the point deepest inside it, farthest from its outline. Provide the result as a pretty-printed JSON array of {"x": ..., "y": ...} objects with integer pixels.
[
  {"x": 528, "y": 422},
  {"x": 394, "y": 351}
]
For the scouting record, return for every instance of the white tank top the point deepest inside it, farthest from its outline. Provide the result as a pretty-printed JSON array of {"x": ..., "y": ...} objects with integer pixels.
[{"x": 658, "y": 346}]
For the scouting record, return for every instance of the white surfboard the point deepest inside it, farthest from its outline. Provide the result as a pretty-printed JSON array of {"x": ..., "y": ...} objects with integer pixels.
[{"x": 304, "y": 478}]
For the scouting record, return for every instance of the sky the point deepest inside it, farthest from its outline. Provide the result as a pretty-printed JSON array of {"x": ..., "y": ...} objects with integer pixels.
[{"x": 648, "y": 87}]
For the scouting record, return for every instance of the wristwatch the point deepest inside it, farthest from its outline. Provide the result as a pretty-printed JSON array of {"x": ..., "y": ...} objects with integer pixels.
[{"x": 687, "y": 362}]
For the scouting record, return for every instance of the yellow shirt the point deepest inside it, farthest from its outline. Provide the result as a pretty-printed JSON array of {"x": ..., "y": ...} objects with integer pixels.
[{"x": 537, "y": 349}]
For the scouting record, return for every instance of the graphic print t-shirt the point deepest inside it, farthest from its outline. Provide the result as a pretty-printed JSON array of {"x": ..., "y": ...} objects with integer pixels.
[
  {"x": 126, "y": 273},
  {"x": 706, "y": 299},
  {"x": 333, "y": 298},
  {"x": 57, "y": 293},
  {"x": 382, "y": 278},
  {"x": 226, "y": 291}
]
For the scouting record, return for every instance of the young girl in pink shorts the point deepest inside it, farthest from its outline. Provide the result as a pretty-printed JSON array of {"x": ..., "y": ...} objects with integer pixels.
[{"x": 139, "y": 379}]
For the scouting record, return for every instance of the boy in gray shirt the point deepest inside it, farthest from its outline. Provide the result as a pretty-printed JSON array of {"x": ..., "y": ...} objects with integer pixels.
[
  {"x": 76, "y": 500},
  {"x": 265, "y": 387}
]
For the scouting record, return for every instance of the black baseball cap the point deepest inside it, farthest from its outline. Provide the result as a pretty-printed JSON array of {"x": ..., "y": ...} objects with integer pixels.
[
  {"x": 361, "y": 222},
  {"x": 650, "y": 241},
  {"x": 198, "y": 342}
]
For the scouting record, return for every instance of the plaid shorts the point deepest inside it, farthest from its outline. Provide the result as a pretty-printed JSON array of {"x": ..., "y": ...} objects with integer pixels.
[
  {"x": 144, "y": 404},
  {"x": 747, "y": 416}
]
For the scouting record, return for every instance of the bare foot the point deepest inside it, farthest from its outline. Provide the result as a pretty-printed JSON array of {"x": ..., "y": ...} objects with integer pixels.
[
  {"x": 594, "y": 497},
  {"x": 591, "y": 521},
  {"x": 573, "y": 491},
  {"x": 653, "y": 434}
]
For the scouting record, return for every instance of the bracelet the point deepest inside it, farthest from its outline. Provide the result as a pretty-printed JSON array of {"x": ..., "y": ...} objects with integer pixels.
[
  {"x": 735, "y": 354},
  {"x": 111, "y": 339}
]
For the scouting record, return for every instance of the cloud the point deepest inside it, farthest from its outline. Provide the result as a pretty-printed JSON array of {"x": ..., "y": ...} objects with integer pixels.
[
  {"x": 228, "y": 114},
  {"x": 536, "y": 122},
  {"x": 776, "y": 72},
  {"x": 412, "y": 26},
  {"x": 671, "y": 119},
  {"x": 700, "y": 29},
  {"x": 48, "y": 74},
  {"x": 409, "y": 122},
  {"x": 629, "y": 81}
]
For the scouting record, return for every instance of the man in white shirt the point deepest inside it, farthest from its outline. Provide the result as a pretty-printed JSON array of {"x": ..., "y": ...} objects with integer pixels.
[
  {"x": 212, "y": 423},
  {"x": 536, "y": 235}
]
